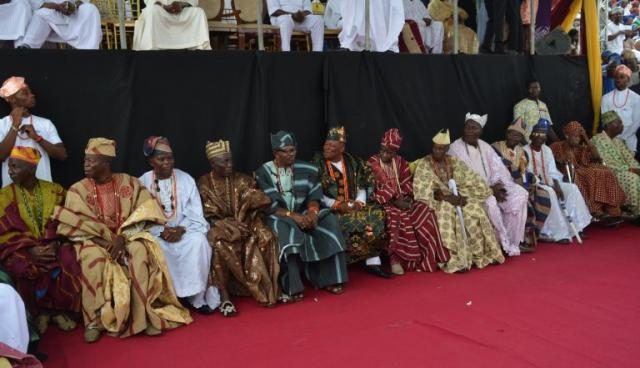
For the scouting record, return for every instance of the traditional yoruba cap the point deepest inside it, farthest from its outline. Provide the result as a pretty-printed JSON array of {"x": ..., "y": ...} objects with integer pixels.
[
  {"x": 101, "y": 146},
  {"x": 442, "y": 137},
  {"x": 154, "y": 143},
  {"x": 219, "y": 148},
  {"x": 623, "y": 69},
  {"x": 616, "y": 10},
  {"x": 609, "y": 117},
  {"x": 11, "y": 86},
  {"x": 519, "y": 126},
  {"x": 26, "y": 154},
  {"x": 391, "y": 139},
  {"x": 573, "y": 128},
  {"x": 282, "y": 139},
  {"x": 482, "y": 120},
  {"x": 542, "y": 125},
  {"x": 337, "y": 134}
]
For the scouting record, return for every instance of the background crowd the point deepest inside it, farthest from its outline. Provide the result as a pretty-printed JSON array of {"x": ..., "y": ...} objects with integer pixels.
[{"x": 417, "y": 26}]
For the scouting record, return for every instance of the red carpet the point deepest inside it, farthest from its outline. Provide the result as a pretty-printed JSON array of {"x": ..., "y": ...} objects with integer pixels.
[{"x": 563, "y": 306}]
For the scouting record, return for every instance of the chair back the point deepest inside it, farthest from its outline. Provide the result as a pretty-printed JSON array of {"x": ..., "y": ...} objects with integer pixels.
[
  {"x": 212, "y": 8},
  {"x": 247, "y": 10},
  {"x": 109, "y": 10}
]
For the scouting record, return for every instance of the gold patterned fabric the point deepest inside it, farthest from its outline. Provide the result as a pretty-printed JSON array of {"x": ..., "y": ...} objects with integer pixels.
[
  {"x": 246, "y": 260},
  {"x": 481, "y": 247},
  {"x": 123, "y": 299}
]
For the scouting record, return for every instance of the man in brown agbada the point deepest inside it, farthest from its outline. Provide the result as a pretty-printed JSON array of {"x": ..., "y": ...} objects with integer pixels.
[
  {"x": 245, "y": 261},
  {"x": 126, "y": 287}
]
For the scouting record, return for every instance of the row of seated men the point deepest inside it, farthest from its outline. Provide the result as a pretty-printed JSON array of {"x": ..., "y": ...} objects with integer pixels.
[
  {"x": 131, "y": 255},
  {"x": 170, "y": 24}
]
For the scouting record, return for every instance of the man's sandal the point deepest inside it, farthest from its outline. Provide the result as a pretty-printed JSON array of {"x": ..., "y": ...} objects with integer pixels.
[
  {"x": 335, "y": 289},
  {"x": 64, "y": 322},
  {"x": 228, "y": 309}
]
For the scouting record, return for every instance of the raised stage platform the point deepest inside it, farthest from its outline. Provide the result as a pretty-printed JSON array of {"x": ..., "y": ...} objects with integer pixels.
[{"x": 243, "y": 96}]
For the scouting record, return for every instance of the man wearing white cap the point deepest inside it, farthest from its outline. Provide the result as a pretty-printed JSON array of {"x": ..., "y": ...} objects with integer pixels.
[
  {"x": 21, "y": 128},
  {"x": 507, "y": 207}
]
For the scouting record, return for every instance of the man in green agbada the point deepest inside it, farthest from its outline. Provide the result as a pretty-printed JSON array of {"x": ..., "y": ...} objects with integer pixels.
[
  {"x": 346, "y": 181},
  {"x": 619, "y": 158}
]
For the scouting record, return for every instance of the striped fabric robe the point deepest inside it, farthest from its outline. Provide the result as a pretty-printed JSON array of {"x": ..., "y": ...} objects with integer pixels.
[
  {"x": 414, "y": 238},
  {"x": 321, "y": 250}
]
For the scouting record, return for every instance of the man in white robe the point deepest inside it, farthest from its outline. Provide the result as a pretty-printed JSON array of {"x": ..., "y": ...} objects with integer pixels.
[
  {"x": 169, "y": 24},
  {"x": 333, "y": 14},
  {"x": 22, "y": 128},
  {"x": 386, "y": 19},
  {"x": 183, "y": 238},
  {"x": 627, "y": 104},
  {"x": 14, "y": 331},
  {"x": 507, "y": 208},
  {"x": 295, "y": 15},
  {"x": 432, "y": 32},
  {"x": 75, "y": 23},
  {"x": 543, "y": 166},
  {"x": 15, "y": 16}
]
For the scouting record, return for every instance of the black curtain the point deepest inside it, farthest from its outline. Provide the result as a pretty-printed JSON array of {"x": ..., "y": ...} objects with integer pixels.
[{"x": 192, "y": 97}]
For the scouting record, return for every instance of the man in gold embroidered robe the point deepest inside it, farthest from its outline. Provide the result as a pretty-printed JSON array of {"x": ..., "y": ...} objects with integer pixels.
[
  {"x": 472, "y": 239},
  {"x": 126, "y": 287},
  {"x": 246, "y": 258}
]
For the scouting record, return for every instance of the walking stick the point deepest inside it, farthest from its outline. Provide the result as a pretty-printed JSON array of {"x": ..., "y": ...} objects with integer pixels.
[
  {"x": 454, "y": 189},
  {"x": 567, "y": 217}
]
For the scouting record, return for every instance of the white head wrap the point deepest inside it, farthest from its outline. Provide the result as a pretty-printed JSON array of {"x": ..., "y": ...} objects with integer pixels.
[{"x": 482, "y": 120}]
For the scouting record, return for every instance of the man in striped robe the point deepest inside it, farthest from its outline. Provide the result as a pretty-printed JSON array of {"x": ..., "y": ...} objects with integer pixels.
[
  {"x": 309, "y": 237},
  {"x": 412, "y": 228}
]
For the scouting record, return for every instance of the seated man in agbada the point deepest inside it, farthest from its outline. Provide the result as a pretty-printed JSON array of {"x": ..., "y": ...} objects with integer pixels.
[
  {"x": 619, "y": 158},
  {"x": 471, "y": 240},
  {"x": 126, "y": 287},
  {"x": 246, "y": 251},
  {"x": 45, "y": 271},
  {"x": 346, "y": 181},
  {"x": 183, "y": 237},
  {"x": 412, "y": 227},
  {"x": 310, "y": 241}
]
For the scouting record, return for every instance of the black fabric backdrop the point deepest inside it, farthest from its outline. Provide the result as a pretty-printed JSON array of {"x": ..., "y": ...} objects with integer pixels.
[{"x": 243, "y": 96}]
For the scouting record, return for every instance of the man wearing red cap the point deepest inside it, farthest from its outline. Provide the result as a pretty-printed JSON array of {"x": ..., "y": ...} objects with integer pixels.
[
  {"x": 21, "y": 128},
  {"x": 412, "y": 228},
  {"x": 45, "y": 270}
]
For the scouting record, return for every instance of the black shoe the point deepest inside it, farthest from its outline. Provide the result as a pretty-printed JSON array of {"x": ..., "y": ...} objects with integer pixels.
[
  {"x": 378, "y": 271},
  {"x": 205, "y": 309},
  {"x": 23, "y": 47}
]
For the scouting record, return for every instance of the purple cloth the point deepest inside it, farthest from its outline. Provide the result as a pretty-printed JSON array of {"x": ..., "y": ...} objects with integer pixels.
[{"x": 509, "y": 217}]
